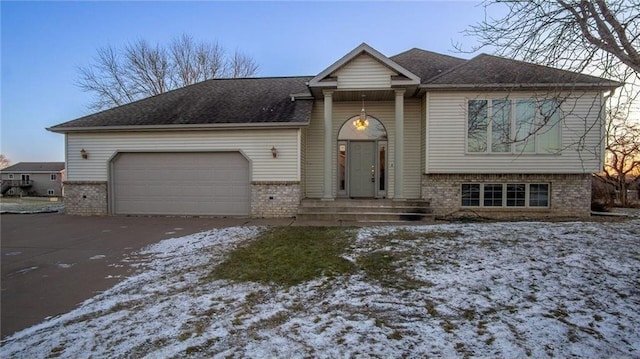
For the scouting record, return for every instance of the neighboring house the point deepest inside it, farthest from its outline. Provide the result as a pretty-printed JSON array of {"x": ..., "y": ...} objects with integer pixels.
[
  {"x": 33, "y": 179},
  {"x": 460, "y": 134}
]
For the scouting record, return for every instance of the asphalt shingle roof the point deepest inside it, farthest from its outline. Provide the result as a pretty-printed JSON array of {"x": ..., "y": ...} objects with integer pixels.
[
  {"x": 217, "y": 101},
  {"x": 268, "y": 100},
  {"x": 487, "y": 70},
  {"x": 35, "y": 167},
  {"x": 426, "y": 64}
]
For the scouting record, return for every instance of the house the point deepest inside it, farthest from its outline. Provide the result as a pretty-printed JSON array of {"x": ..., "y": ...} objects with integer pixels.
[
  {"x": 490, "y": 135},
  {"x": 33, "y": 179}
]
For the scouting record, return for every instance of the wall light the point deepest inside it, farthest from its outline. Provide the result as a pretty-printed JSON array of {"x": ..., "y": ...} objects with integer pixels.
[
  {"x": 274, "y": 151},
  {"x": 84, "y": 153}
]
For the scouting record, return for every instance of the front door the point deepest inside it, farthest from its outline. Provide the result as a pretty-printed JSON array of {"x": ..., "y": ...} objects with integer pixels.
[{"x": 362, "y": 169}]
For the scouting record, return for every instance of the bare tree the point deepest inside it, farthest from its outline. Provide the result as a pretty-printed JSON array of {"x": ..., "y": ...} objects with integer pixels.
[
  {"x": 242, "y": 65},
  {"x": 622, "y": 166},
  {"x": 120, "y": 76},
  {"x": 4, "y": 161},
  {"x": 569, "y": 34}
]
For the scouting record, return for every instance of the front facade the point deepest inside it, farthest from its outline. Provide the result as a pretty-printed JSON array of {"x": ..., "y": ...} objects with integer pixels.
[
  {"x": 42, "y": 179},
  {"x": 488, "y": 135}
]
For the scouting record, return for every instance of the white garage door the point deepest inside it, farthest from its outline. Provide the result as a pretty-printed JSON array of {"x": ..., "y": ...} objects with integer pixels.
[{"x": 181, "y": 184}]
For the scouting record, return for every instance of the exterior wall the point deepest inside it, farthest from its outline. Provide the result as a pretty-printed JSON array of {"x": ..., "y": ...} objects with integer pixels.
[
  {"x": 86, "y": 198},
  {"x": 255, "y": 144},
  {"x": 364, "y": 72},
  {"x": 570, "y": 194},
  {"x": 275, "y": 199},
  {"x": 383, "y": 111},
  {"x": 41, "y": 183},
  {"x": 447, "y": 128}
]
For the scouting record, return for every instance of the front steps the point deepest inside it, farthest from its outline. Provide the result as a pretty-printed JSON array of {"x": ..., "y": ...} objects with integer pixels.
[{"x": 365, "y": 210}]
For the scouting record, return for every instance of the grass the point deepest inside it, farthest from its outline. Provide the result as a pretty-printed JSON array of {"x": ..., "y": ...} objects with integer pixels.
[{"x": 289, "y": 256}]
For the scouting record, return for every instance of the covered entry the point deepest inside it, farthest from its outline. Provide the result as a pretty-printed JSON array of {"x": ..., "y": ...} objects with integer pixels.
[
  {"x": 193, "y": 183},
  {"x": 362, "y": 159}
]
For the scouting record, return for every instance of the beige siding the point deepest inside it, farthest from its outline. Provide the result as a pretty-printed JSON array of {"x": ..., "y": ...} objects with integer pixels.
[
  {"x": 383, "y": 111},
  {"x": 446, "y": 139},
  {"x": 255, "y": 144},
  {"x": 364, "y": 72}
]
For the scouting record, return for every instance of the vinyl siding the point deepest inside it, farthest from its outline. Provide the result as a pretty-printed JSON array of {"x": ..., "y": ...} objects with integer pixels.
[
  {"x": 446, "y": 138},
  {"x": 383, "y": 111},
  {"x": 255, "y": 144},
  {"x": 364, "y": 72}
]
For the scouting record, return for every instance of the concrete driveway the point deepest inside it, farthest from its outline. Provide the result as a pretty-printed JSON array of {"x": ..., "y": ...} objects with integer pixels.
[{"x": 52, "y": 262}]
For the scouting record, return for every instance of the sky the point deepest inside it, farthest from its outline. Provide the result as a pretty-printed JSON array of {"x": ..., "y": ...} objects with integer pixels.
[{"x": 44, "y": 43}]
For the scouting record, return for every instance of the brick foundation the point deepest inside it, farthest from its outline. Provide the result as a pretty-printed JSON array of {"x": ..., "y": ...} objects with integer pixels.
[
  {"x": 570, "y": 194},
  {"x": 274, "y": 199},
  {"x": 85, "y": 198}
]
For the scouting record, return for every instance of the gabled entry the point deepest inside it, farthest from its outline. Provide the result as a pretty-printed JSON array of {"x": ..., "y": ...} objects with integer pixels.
[{"x": 362, "y": 159}]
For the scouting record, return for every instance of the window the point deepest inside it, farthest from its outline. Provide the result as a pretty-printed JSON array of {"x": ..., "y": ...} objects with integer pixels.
[
  {"x": 516, "y": 195},
  {"x": 505, "y": 195},
  {"x": 54, "y": 177},
  {"x": 539, "y": 195},
  {"x": 477, "y": 126},
  {"x": 513, "y": 126},
  {"x": 50, "y": 192},
  {"x": 471, "y": 195},
  {"x": 10, "y": 176},
  {"x": 492, "y": 195}
]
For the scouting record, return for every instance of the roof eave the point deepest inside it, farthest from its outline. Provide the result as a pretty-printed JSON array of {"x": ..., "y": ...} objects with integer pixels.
[
  {"x": 534, "y": 86},
  {"x": 153, "y": 128}
]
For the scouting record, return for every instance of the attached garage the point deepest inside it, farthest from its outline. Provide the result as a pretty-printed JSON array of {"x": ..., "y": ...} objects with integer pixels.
[{"x": 181, "y": 183}]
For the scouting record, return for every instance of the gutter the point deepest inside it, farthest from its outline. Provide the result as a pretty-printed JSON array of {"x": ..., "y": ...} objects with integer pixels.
[
  {"x": 185, "y": 127},
  {"x": 605, "y": 85}
]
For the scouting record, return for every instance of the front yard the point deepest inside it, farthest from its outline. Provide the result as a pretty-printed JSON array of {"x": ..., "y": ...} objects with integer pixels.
[
  {"x": 491, "y": 290},
  {"x": 30, "y": 204}
]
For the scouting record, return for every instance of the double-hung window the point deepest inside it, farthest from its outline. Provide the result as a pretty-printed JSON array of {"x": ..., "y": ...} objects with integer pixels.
[{"x": 513, "y": 126}]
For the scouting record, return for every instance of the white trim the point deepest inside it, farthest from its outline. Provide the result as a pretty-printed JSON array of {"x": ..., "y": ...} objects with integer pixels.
[
  {"x": 186, "y": 127},
  {"x": 363, "y": 48}
]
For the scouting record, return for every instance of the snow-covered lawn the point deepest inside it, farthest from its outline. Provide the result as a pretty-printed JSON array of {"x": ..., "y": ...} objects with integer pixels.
[{"x": 489, "y": 290}]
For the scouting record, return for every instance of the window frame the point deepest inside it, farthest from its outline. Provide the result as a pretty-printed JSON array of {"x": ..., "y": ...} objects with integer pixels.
[
  {"x": 489, "y": 148},
  {"x": 53, "y": 176},
  {"x": 51, "y": 192},
  {"x": 504, "y": 200}
]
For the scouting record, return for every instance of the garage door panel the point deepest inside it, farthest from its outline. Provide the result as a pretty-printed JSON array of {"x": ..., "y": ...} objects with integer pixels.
[{"x": 181, "y": 183}]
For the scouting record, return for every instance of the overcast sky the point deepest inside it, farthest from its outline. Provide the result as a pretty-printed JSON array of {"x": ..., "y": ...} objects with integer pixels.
[{"x": 43, "y": 44}]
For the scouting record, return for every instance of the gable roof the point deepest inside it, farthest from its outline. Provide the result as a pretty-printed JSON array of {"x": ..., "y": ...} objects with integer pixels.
[
  {"x": 35, "y": 167},
  {"x": 211, "y": 103},
  {"x": 488, "y": 70},
  {"x": 426, "y": 64},
  {"x": 287, "y": 101},
  {"x": 319, "y": 80}
]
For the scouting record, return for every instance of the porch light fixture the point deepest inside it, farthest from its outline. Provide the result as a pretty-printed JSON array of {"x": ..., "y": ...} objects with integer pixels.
[
  {"x": 84, "y": 154},
  {"x": 361, "y": 123},
  {"x": 274, "y": 151}
]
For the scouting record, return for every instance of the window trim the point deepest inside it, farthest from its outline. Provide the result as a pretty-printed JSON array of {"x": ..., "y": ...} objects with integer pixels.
[
  {"x": 513, "y": 127},
  {"x": 53, "y": 176},
  {"x": 505, "y": 199},
  {"x": 51, "y": 192}
]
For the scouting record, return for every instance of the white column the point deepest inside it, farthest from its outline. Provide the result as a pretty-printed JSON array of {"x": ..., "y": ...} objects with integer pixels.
[
  {"x": 399, "y": 147},
  {"x": 328, "y": 146}
]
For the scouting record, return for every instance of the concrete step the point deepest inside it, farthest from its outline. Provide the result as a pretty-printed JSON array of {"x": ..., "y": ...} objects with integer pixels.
[
  {"x": 365, "y": 217},
  {"x": 365, "y": 210}
]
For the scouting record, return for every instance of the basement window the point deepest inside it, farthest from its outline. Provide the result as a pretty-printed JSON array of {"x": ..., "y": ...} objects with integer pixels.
[{"x": 505, "y": 195}]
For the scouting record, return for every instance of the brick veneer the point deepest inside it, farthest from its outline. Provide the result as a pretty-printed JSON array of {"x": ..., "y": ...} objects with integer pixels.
[
  {"x": 570, "y": 194},
  {"x": 85, "y": 198},
  {"x": 274, "y": 199}
]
